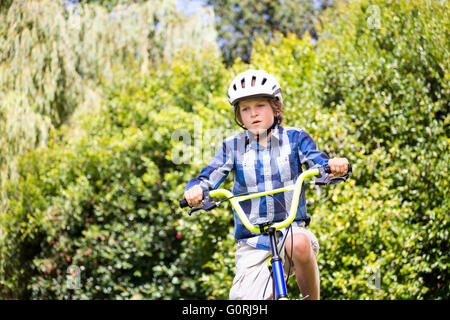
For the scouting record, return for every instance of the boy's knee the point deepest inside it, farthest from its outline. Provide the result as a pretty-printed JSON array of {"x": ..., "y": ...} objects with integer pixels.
[{"x": 302, "y": 248}]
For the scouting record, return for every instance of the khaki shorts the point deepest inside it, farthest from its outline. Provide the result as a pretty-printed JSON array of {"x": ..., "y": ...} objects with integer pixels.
[{"x": 252, "y": 272}]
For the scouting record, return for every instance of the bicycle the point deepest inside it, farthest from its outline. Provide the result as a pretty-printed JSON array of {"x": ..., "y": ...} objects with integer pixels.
[{"x": 270, "y": 228}]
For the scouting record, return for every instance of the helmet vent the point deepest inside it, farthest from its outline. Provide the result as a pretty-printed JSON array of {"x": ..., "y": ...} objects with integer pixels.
[
  {"x": 243, "y": 83},
  {"x": 273, "y": 88},
  {"x": 253, "y": 81},
  {"x": 264, "y": 81},
  {"x": 234, "y": 87}
]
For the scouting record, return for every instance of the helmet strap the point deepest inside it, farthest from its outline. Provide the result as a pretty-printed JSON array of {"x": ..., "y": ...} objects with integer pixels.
[
  {"x": 235, "y": 119},
  {"x": 260, "y": 136},
  {"x": 266, "y": 134}
]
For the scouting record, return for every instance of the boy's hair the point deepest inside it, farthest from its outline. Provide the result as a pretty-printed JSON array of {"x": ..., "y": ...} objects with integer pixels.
[{"x": 277, "y": 107}]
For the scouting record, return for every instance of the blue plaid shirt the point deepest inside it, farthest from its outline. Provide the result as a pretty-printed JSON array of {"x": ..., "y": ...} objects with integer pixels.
[{"x": 257, "y": 168}]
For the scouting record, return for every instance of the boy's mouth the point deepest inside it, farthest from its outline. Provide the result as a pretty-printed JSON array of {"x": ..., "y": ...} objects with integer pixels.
[{"x": 256, "y": 121}]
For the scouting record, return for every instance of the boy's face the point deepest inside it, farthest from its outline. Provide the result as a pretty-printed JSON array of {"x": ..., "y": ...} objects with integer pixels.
[{"x": 256, "y": 114}]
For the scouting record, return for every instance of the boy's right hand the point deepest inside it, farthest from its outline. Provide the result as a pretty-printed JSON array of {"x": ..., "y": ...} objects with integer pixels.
[{"x": 194, "y": 196}]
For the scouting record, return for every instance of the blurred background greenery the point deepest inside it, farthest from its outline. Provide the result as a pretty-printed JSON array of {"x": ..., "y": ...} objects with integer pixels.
[{"x": 91, "y": 93}]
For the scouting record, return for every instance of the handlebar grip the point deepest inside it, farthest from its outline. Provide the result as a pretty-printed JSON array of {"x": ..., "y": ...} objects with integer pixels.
[
  {"x": 183, "y": 203},
  {"x": 328, "y": 170}
]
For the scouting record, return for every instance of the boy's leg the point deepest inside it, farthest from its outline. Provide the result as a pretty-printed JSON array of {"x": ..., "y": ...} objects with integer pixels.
[
  {"x": 305, "y": 265},
  {"x": 252, "y": 274}
]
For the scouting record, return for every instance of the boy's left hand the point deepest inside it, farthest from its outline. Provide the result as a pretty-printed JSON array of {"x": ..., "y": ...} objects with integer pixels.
[{"x": 338, "y": 166}]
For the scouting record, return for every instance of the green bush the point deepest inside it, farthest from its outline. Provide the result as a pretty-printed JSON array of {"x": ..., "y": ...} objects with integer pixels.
[{"x": 108, "y": 202}]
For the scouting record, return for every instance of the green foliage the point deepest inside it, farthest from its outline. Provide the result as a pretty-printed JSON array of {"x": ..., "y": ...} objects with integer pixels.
[
  {"x": 103, "y": 195},
  {"x": 384, "y": 90}
]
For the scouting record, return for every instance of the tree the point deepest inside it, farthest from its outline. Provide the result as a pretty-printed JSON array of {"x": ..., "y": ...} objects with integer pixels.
[
  {"x": 54, "y": 53},
  {"x": 238, "y": 21}
]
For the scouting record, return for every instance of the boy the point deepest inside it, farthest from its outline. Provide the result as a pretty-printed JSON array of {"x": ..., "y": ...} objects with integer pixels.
[{"x": 264, "y": 157}]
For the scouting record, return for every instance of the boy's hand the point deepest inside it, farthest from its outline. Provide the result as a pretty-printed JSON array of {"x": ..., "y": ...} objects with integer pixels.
[
  {"x": 338, "y": 166},
  {"x": 194, "y": 196}
]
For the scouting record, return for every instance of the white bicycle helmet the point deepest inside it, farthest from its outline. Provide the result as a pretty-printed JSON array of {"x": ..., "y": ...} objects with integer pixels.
[{"x": 253, "y": 83}]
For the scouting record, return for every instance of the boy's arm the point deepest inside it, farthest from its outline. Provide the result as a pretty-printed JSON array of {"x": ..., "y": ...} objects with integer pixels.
[
  {"x": 311, "y": 156},
  {"x": 215, "y": 172}
]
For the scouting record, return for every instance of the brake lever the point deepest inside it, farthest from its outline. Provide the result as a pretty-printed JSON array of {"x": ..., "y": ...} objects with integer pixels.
[
  {"x": 208, "y": 204},
  {"x": 191, "y": 211},
  {"x": 336, "y": 180},
  {"x": 322, "y": 179}
]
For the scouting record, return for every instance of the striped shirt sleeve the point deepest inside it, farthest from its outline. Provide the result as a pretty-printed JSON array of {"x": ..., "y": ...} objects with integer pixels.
[
  {"x": 216, "y": 171},
  {"x": 310, "y": 156}
]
